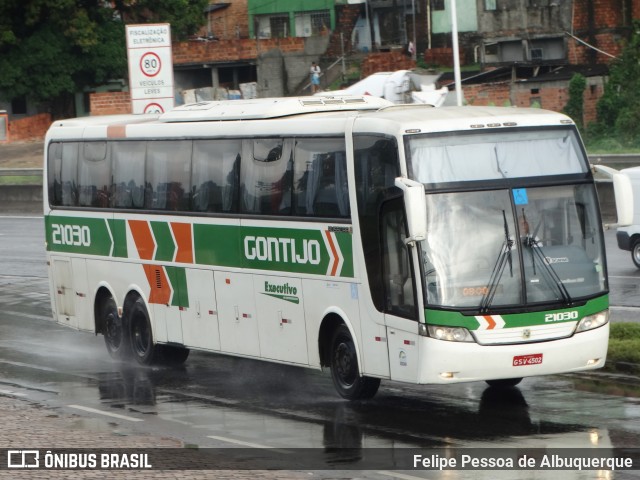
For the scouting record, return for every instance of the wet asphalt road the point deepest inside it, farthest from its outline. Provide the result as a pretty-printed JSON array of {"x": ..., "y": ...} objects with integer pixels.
[{"x": 218, "y": 401}]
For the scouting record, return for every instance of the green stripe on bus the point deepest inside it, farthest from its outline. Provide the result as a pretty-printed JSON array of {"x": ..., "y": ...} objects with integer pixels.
[
  {"x": 304, "y": 251},
  {"x": 457, "y": 319},
  {"x": 165, "y": 246},
  {"x": 216, "y": 245},
  {"x": 178, "y": 278},
  {"x": 119, "y": 233},
  {"x": 88, "y": 236}
]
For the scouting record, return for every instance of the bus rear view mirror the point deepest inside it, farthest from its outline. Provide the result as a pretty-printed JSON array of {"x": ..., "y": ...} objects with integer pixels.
[
  {"x": 416, "y": 207},
  {"x": 623, "y": 193}
]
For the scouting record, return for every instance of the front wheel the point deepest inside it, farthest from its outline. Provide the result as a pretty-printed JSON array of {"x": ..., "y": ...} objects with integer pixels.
[
  {"x": 142, "y": 347},
  {"x": 344, "y": 368},
  {"x": 504, "y": 382},
  {"x": 635, "y": 253}
]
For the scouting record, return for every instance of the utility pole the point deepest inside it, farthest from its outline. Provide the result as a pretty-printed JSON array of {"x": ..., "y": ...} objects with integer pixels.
[{"x": 456, "y": 53}]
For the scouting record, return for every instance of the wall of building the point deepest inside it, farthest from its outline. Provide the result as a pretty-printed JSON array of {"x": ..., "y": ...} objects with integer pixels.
[
  {"x": 523, "y": 17},
  {"x": 547, "y": 95},
  {"x": 194, "y": 52},
  {"x": 229, "y": 23},
  {"x": 346, "y": 18},
  {"x": 110, "y": 103},
  {"x": 604, "y": 24},
  {"x": 29, "y": 128},
  {"x": 467, "y": 16},
  {"x": 385, "y": 62},
  {"x": 290, "y": 7}
]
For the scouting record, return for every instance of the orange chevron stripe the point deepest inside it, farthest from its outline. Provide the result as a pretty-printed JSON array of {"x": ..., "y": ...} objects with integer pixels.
[
  {"x": 182, "y": 234},
  {"x": 160, "y": 288},
  {"x": 334, "y": 253},
  {"x": 490, "y": 321},
  {"x": 143, "y": 238}
]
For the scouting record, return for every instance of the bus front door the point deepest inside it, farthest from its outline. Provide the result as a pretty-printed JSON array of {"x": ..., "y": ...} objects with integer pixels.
[{"x": 400, "y": 304}]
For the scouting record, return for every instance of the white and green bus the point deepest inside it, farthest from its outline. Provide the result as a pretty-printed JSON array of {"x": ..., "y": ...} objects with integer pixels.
[{"x": 381, "y": 241}]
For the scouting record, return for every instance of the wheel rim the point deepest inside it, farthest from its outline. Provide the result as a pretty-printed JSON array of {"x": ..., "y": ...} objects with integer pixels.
[
  {"x": 141, "y": 335},
  {"x": 345, "y": 363},
  {"x": 113, "y": 331},
  {"x": 636, "y": 253}
]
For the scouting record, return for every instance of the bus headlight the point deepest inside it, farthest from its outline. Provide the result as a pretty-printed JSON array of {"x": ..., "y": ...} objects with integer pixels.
[
  {"x": 450, "y": 334},
  {"x": 593, "y": 321}
]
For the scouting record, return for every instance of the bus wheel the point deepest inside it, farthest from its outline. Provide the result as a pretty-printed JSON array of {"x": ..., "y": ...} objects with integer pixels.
[
  {"x": 115, "y": 333},
  {"x": 504, "y": 382},
  {"x": 635, "y": 253},
  {"x": 143, "y": 349},
  {"x": 173, "y": 355},
  {"x": 344, "y": 368}
]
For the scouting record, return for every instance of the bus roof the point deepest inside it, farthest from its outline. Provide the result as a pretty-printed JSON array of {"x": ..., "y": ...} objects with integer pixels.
[
  {"x": 264, "y": 108},
  {"x": 442, "y": 119},
  {"x": 323, "y": 115}
]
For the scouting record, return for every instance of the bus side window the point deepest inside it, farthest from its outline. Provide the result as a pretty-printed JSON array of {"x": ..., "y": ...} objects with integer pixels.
[
  {"x": 128, "y": 186},
  {"x": 69, "y": 174},
  {"x": 214, "y": 175},
  {"x": 320, "y": 178},
  {"x": 167, "y": 175},
  {"x": 266, "y": 176},
  {"x": 397, "y": 270},
  {"x": 54, "y": 173},
  {"x": 94, "y": 175}
]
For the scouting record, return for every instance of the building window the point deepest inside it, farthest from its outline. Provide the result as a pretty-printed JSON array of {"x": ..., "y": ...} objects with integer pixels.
[
  {"x": 489, "y": 5},
  {"x": 309, "y": 24},
  {"x": 272, "y": 26},
  {"x": 437, "y": 4},
  {"x": 279, "y": 26}
]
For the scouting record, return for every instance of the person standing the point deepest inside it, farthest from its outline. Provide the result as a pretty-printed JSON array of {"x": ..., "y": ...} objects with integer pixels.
[{"x": 315, "y": 72}]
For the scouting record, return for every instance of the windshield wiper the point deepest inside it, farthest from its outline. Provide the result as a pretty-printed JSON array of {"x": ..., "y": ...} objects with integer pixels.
[
  {"x": 503, "y": 258},
  {"x": 536, "y": 251}
]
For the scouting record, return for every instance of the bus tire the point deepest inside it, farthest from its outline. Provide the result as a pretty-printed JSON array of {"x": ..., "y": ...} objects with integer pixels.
[
  {"x": 174, "y": 355},
  {"x": 344, "y": 368},
  {"x": 504, "y": 382},
  {"x": 116, "y": 335},
  {"x": 142, "y": 347},
  {"x": 635, "y": 252}
]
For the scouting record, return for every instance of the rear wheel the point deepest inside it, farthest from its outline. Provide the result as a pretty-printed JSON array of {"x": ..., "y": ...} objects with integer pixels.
[
  {"x": 635, "y": 253},
  {"x": 344, "y": 368},
  {"x": 504, "y": 382},
  {"x": 142, "y": 347},
  {"x": 116, "y": 336}
]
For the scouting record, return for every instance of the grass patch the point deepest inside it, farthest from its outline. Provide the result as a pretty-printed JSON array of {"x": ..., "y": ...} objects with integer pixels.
[
  {"x": 624, "y": 344},
  {"x": 21, "y": 180}
]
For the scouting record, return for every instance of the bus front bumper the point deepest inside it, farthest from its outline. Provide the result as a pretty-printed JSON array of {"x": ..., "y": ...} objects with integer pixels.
[{"x": 452, "y": 362}]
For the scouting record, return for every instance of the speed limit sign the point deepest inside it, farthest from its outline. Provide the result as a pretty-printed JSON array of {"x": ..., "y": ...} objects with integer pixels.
[
  {"x": 150, "y": 68},
  {"x": 150, "y": 64}
]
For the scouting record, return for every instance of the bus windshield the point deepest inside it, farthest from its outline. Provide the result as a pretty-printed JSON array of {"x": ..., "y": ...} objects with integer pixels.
[
  {"x": 491, "y": 155},
  {"x": 514, "y": 243}
]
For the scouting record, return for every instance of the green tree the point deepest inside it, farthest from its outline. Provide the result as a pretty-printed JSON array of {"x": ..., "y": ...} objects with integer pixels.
[
  {"x": 185, "y": 16},
  {"x": 619, "y": 108},
  {"x": 575, "y": 105},
  {"x": 50, "y": 49}
]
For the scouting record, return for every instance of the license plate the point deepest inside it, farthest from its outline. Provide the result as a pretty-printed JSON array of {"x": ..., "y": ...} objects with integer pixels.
[{"x": 522, "y": 360}]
